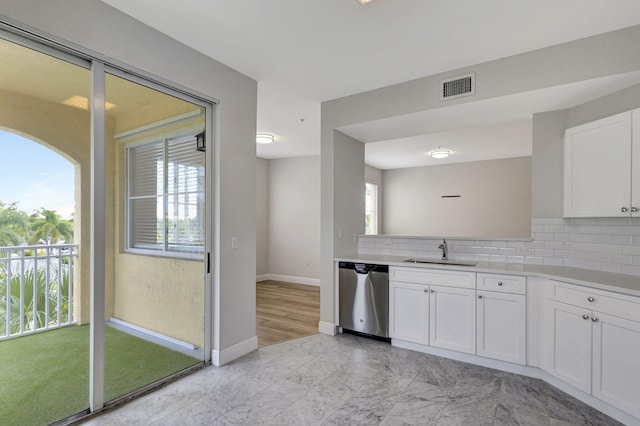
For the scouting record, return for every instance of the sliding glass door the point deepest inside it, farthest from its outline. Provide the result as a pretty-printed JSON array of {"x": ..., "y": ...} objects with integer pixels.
[
  {"x": 155, "y": 294},
  {"x": 104, "y": 213},
  {"x": 44, "y": 215}
]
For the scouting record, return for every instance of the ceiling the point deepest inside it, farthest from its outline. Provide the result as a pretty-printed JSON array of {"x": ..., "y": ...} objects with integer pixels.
[{"x": 303, "y": 52}]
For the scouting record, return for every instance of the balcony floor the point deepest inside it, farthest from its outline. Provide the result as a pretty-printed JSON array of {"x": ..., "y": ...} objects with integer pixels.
[{"x": 45, "y": 376}]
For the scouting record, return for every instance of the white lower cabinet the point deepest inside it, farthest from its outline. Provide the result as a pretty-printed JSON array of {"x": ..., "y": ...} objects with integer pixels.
[
  {"x": 591, "y": 340},
  {"x": 567, "y": 344},
  {"x": 452, "y": 318},
  {"x": 409, "y": 312},
  {"x": 616, "y": 362},
  {"x": 502, "y": 326}
]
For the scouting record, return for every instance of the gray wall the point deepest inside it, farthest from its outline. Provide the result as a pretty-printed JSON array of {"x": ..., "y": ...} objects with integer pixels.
[
  {"x": 602, "y": 55},
  {"x": 495, "y": 200},
  {"x": 262, "y": 216},
  {"x": 100, "y": 28},
  {"x": 294, "y": 217}
]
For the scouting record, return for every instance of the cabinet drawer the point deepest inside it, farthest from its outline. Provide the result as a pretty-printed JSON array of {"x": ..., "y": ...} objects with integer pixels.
[
  {"x": 503, "y": 283},
  {"x": 433, "y": 277},
  {"x": 597, "y": 300}
]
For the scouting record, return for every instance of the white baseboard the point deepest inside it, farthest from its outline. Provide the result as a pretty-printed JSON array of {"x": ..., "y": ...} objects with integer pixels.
[
  {"x": 221, "y": 357},
  {"x": 327, "y": 328},
  {"x": 288, "y": 279},
  {"x": 155, "y": 337}
]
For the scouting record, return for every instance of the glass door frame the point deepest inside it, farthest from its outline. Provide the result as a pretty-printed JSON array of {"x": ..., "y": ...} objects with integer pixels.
[{"x": 99, "y": 67}]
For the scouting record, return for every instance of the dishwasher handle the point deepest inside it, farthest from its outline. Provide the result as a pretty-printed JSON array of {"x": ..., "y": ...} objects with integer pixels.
[{"x": 363, "y": 268}]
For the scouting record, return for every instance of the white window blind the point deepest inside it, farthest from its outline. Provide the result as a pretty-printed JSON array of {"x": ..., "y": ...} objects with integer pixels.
[{"x": 166, "y": 196}]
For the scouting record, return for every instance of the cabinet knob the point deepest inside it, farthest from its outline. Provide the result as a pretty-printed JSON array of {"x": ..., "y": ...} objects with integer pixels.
[
  {"x": 500, "y": 283},
  {"x": 590, "y": 299},
  {"x": 624, "y": 209},
  {"x": 479, "y": 296},
  {"x": 433, "y": 291},
  {"x": 426, "y": 290},
  {"x": 594, "y": 319},
  {"x": 585, "y": 316},
  {"x": 634, "y": 209}
]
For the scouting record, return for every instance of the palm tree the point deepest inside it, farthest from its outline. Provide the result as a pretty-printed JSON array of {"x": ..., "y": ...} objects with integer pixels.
[
  {"x": 56, "y": 287},
  {"x": 47, "y": 223},
  {"x": 14, "y": 225}
]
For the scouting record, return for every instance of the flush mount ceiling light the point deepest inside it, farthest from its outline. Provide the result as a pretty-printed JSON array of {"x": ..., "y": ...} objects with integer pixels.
[
  {"x": 364, "y": 2},
  {"x": 264, "y": 138},
  {"x": 440, "y": 153}
]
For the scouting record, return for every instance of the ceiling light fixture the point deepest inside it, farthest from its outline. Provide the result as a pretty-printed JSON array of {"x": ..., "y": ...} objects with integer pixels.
[
  {"x": 264, "y": 138},
  {"x": 440, "y": 153},
  {"x": 364, "y": 2}
]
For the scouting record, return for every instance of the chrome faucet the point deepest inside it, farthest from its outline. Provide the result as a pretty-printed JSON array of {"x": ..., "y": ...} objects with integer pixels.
[{"x": 443, "y": 247}]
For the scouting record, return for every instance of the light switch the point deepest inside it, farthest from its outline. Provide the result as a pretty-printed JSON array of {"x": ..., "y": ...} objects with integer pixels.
[{"x": 234, "y": 243}]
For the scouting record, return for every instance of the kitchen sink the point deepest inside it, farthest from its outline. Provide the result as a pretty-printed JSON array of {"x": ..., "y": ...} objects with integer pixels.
[{"x": 442, "y": 262}]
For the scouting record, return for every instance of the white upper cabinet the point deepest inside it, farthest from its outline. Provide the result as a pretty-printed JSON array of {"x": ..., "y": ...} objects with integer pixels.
[{"x": 598, "y": 159}]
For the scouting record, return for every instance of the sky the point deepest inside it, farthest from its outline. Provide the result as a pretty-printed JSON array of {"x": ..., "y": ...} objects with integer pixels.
[{"x": 35, "y": 176}]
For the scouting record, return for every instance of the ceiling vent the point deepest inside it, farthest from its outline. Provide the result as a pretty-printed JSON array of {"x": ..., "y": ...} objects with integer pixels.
[{"x": 457, "y": 87}]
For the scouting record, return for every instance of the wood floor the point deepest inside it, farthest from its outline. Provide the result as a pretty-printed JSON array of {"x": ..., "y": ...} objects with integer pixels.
[{"x": 286, "y": 311}]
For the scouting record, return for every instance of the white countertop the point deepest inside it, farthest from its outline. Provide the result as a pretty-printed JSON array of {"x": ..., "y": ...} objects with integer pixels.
[{"x": 620, "y": 283}]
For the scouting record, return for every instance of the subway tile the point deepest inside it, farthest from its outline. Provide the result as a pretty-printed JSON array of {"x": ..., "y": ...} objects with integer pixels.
[
  {"x": 623, "y": 239},
  {"x": 515, "y": 259},
  {"x": 553, "y": 228},
  {"x": 631, "y": 250},
  {"x": 498, "y": 258},
  {"x": 543, "y": 253},
  {"x": 557, "y": 245}
]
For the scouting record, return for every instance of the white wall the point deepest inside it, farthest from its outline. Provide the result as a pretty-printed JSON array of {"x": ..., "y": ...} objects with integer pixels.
[
  {"x": 294, "y": 219},
  {"x": 93, "y": 25},
  {"x": 262, "y": 216},
  {"x": 494, "y": 202}
]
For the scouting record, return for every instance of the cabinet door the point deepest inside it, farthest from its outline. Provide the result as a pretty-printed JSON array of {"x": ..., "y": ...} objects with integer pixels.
[
  {"x": 597, "y": 168},
  {"x": 409, "y": 312},
  {"x": 567, "y": 344},
  {"x": 635, "y": 161},
  {"x": 502, "y": 326},
  {"x": 452, "y": 319},
  {"x": 616, "y": 362}
]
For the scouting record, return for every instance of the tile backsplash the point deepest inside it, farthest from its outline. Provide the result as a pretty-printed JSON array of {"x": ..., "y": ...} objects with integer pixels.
[{"x": 604, "y": 244}]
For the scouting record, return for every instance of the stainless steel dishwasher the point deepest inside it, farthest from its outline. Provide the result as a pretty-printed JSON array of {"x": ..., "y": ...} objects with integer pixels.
[{"x": 364, "y": 298}]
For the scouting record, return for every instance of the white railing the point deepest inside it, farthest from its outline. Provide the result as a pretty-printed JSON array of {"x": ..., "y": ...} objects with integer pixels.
[{"x": 36, "y": 288}]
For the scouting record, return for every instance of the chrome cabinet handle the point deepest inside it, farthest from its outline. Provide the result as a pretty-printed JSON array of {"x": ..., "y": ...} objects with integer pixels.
[
  {"x": 624, "y": 209},
  {"x": 433, "y": 291},
  {"x": 634, "y": 210},
  {"x": 426, "y": 290},
  {"x": 590, "y": 299},
  {"x": 594, "y": 319},
  {"x": 479, "y": 296},
  {"x": 585, "y": 316},
  {"x": 500, "y": 283}
]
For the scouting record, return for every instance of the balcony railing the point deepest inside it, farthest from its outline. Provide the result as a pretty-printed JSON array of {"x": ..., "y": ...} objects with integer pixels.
[{"x": 36, "y": 288}]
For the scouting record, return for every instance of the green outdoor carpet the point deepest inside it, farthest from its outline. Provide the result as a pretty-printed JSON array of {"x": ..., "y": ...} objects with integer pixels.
[{"x": 44, "y": 377}]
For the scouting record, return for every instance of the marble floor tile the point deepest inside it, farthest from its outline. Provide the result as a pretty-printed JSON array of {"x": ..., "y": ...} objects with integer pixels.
[
  {"x": 350, "y": 380},
  {"x": 419, "y": 404}
]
